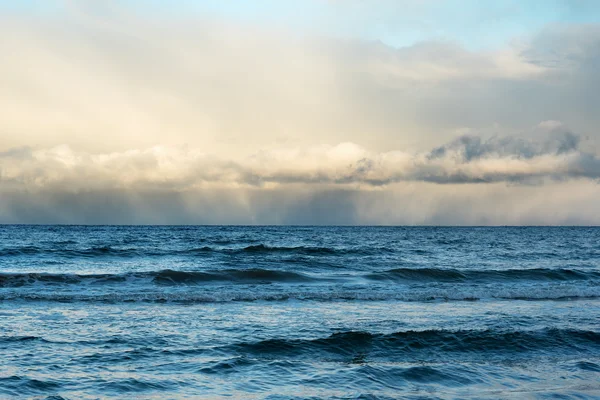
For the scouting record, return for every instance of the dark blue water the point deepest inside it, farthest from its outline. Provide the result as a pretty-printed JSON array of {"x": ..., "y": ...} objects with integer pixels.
[{"x": 299, "y": 312}]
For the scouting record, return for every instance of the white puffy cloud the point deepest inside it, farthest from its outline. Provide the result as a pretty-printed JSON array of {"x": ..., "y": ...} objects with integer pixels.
[{"x": 467, "y": 159}]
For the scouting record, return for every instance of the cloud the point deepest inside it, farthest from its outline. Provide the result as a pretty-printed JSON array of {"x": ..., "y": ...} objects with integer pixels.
[
  {"x": 467, "y": 159},
  {"x": 117, "y": 79},
  {"x": 111, "y": 114}
]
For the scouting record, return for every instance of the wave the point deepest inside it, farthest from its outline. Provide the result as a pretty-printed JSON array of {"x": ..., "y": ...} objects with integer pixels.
[
  {"x": 17, "y": 339},
  {"x": 349, "y": 344},
  {"x": 32, "y": 278},
  {"x": 455, "y": 275},
  {"x": 257, "y": 249},
  {"x": 230, "y": 275},
  {"x": 261, "y": 248},
  {"x": 318, "y": 293},
  {"x": 164, "y": 277},
  {"x": 390, "y": 375},
  {"x": 257, "y": 275},
  {"x": 21, "y": 385},
  {"x": 71, "y": 253}
]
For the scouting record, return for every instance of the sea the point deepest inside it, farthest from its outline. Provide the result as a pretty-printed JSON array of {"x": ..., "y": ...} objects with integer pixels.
[{"x": 299, "y": 312}]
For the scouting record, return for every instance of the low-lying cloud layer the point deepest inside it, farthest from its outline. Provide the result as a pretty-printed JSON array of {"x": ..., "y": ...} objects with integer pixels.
[{"x": 467, "y": 159}]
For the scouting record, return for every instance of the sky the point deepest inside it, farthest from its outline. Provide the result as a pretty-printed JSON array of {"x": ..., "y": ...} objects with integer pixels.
[{"x": 344, "y": 112}]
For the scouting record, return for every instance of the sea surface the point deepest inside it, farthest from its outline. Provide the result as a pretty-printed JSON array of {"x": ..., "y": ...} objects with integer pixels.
[{"x": 299, "y": 312}]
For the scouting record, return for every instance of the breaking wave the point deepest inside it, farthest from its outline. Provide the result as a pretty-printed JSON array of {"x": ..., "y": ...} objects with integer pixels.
[
  {"x": 163, "y": 277},
  {"x": 258, "y": 275}
]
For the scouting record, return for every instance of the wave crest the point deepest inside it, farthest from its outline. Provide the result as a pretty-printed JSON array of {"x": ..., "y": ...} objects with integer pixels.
[
  {"x": 455, "y": 275},
  {"x": 350, "y": 343}
]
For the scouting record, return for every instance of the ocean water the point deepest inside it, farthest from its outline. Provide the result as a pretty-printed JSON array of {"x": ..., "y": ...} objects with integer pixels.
[{"x": 299, "y": 312}]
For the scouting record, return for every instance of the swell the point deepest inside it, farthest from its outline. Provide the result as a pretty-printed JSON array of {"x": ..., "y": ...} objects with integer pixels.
[
  {"x": 257, "y": 275},
  {"x": 20, "y": 339},
  {"x": 163, "y": 277},
  {"x": 321, "y": 293},
  {"x": 264, "y": 249},
  {"x": 230, "y": 275},
  {"x": 431, "y": 342},
  {"x": 456, "y": 275},
  {"x": 100, "y": 251},
  {"x": 259, "y": 249},
  {"x": 18, "y": 386}
]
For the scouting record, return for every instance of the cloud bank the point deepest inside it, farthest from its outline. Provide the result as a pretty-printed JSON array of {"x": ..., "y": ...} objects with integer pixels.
[
  {"x": 468, "y": 159},
  {"x": 510, "y": 180}
]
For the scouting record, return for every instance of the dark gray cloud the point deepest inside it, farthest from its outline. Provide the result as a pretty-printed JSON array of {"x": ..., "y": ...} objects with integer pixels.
[{"x": 474, "y": 147}]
